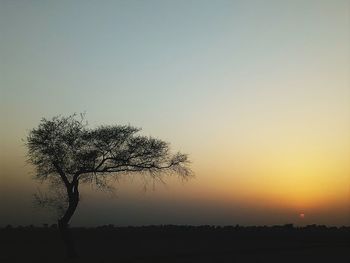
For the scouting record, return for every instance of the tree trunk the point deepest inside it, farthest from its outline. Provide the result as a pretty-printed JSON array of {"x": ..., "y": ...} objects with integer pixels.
[{"x": 63, "y": 223}]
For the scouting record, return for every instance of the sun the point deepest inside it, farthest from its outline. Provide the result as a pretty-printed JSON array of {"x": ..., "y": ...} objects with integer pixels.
[{"x": 302, "y": 215}]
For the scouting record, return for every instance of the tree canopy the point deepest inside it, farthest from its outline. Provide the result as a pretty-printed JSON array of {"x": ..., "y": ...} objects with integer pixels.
[{"x": 68, "y": 148}]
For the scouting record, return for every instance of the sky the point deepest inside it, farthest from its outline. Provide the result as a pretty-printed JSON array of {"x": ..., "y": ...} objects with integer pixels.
[{"x": 256, "y": 92}]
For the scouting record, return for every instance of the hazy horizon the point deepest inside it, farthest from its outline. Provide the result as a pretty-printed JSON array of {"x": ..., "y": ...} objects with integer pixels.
[{"x": 256, "y": 92}]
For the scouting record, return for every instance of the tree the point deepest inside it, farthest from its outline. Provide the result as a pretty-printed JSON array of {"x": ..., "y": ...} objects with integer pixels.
[{"x": 66, "y": 152}]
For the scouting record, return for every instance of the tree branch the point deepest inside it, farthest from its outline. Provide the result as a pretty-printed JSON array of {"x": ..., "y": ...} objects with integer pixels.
[{"x": 62, "y": 174}]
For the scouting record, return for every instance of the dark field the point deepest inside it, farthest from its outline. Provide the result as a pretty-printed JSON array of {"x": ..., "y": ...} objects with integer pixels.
[{"x": 180, "y": 244}]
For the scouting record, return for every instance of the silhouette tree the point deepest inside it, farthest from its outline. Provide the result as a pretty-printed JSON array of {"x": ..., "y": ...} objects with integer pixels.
[{"x": 64, "y": 150}]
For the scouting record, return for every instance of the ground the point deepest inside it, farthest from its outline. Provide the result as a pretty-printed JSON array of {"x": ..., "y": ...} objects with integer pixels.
[{"x": 179, "y": 244}]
